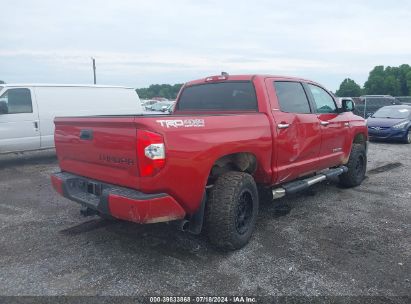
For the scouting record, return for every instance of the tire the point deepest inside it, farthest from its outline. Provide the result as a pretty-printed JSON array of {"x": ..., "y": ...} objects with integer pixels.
[
  {"x": 357, "y": 166},
  {"x": 407, "y": 138},
  {"x": 231, "y": 210}
]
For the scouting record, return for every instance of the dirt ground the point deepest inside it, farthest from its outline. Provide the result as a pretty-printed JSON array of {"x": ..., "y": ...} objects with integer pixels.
[{"x": 333, "y": 241}]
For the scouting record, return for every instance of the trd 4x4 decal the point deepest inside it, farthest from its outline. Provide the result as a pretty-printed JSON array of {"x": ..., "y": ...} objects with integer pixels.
[{"x": 182, "y": 123}]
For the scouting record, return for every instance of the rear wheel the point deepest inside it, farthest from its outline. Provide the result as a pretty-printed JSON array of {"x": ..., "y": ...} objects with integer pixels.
[
  {"x": 357, "y": 166},
  {"x": 231, "y": 210}
]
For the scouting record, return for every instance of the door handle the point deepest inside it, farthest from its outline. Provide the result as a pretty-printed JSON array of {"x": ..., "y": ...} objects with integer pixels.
[
  {"x": 283, "y": 125},
  {"x": 324, "y": 123},
  {"x": 36, "y": 125}
]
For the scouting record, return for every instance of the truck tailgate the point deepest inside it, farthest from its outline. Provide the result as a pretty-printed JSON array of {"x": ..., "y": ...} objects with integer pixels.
[{"x": 102, "y": 148}]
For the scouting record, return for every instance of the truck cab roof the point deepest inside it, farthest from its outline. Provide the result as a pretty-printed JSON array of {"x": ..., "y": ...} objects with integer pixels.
[{"x": 243, "y": 77}]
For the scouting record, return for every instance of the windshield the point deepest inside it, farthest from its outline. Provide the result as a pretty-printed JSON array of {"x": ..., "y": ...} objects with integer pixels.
[{"x": 396, "y": 113}]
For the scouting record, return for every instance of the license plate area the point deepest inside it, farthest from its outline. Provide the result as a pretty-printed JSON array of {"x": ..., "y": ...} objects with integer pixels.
[
  {"x": 93, "y": 188},
  {"x": 85, "y": 186}
]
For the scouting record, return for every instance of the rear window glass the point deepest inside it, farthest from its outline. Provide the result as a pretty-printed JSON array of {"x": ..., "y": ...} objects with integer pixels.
[
  {"x": 291, "y": 97},
  {"x": 225, "y": 96}
]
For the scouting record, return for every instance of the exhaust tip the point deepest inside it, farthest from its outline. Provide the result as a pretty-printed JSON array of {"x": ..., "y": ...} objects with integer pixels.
[{"x": 278, "y": 193}]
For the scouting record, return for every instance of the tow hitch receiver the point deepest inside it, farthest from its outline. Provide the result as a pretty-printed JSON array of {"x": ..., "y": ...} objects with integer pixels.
[{"x": 299, "y": 185}]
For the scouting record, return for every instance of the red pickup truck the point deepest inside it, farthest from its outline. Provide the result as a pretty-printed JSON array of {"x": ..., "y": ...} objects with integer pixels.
[{"x": 230, "y": 142}]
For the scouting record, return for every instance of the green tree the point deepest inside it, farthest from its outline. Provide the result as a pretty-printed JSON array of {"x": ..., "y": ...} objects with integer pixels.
[
  {"x": 391, "y": 86},
  {"x": 405, "y": 87},
  {"x": 389, "y": 81},
  {"x": 160, "y": 90},
  {"x": 349, "y": 88},
  {"x": 375, "y": 83},
  {"x": 1, "y": 82},
  {"x": 408, "y": 83}
]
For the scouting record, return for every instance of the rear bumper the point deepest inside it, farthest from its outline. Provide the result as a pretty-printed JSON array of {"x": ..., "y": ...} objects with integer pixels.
[{"x": 119, "y": 202}]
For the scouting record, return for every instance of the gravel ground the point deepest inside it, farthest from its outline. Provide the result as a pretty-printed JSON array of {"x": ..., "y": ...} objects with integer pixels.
[{"x": 333, "y": 241}]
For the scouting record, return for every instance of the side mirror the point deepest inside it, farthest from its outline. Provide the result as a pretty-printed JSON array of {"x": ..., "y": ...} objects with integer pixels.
[{"x": 347, "y": 105}]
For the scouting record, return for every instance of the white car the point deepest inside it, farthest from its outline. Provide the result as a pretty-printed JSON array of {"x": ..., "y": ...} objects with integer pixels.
[
  {"x": 27, "y": 112},
  {"x": 148, "y": 103}
]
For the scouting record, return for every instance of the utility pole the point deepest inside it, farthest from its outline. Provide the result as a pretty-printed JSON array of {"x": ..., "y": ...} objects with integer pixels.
[{"x": 94, "y": 69}]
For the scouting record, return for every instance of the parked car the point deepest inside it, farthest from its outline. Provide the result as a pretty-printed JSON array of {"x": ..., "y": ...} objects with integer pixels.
[
  {"x": 348, "y": 100},
  {"x": 170, "y": 107},
  {"x": 366, "y": 105},
  {"x": 147, "y": 104},
  {"x": 391, "y": 123},
  {"x": 404, "y": 99},
  {"x": 230, "y": 142},
  {"x": 161, "y": 106},
  {"x": 27, "y": 111}
]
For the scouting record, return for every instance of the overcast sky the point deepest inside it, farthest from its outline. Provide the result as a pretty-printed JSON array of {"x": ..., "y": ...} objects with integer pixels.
[{"x": 137, "y": 43}]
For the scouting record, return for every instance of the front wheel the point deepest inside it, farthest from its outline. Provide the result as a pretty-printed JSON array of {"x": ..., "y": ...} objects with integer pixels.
[
  {"x": 407, "y": 139},
  {"x": 357, "y": 166},
  {"x": 231, "y": 210}
]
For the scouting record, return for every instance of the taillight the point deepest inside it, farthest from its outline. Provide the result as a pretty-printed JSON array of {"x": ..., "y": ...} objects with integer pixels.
[{"x": 151, "y": 153}]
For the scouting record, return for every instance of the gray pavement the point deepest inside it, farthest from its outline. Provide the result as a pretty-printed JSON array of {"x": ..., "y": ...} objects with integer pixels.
[{"x": 334, "y": 241}]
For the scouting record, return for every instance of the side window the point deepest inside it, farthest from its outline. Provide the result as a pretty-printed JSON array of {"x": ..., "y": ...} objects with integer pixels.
[
  {"x": 291, "y": 97},
  {"x": 323, "y": 101},
  {"x": 15, "y": 101}
]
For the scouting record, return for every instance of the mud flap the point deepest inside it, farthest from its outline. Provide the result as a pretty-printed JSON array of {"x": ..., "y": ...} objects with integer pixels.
[{"x": 197, "y": 219}]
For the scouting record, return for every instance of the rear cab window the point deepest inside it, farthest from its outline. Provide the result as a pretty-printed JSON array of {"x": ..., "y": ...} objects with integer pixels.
[
  {"x": 220, "y": 96},
  {"x": 16, "y": 101},
  {"x": 291, "y": 97}
]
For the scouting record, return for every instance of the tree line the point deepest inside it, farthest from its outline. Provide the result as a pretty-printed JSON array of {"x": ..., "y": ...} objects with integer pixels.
[
  {"x": 395, "y": 81},
  {"x": 160, "y": 90}
]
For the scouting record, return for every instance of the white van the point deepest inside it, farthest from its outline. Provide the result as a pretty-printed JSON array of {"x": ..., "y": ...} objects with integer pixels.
[{"x": 27, "y": 111}]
